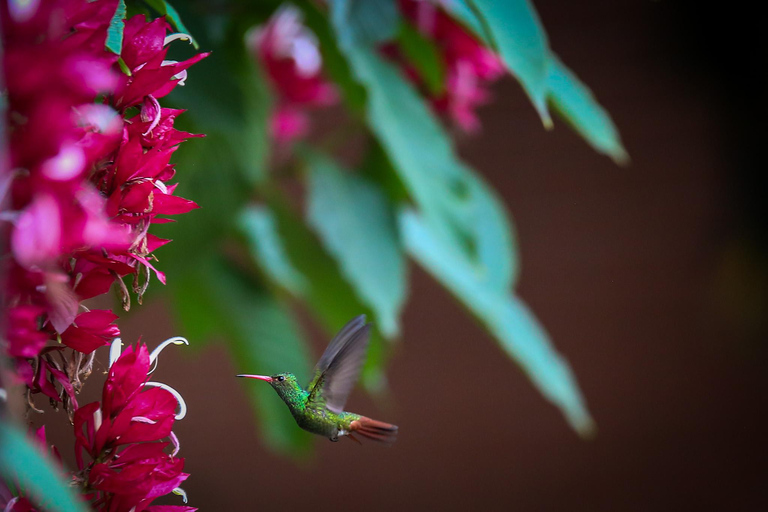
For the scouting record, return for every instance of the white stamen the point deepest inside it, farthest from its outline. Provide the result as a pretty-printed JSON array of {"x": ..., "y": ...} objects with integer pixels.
[
  {"x": 182, "y": 404},
  {"x": 3, "y": 395},
  {"x": 115, "y": 350},
  {"x": 159, "y": 184},
  {"x": 176, "y": 445},
  {"x": 97, "y": 420},
  {"x": 180, "y": 36},
  {"x": 180, "y": 492},
  {"x": 181, "y": 76},
  {"x": 176, "y": 340},
  {"x": 155, "y": 119},
  {"x": 143, "y": 419}
]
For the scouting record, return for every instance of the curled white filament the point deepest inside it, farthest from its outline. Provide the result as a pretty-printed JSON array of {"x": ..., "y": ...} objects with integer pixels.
[
  {"x": 182, "y": 405},
  {"x": 176, "y": 340}
]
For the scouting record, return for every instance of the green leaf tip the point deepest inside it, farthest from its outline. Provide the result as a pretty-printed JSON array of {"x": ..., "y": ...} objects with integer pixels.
[
  {"x": 578, "y": 106},
  {"x": 23, "y": 463},
  {"x": 167, "y": 10},
  {"x": 504, "y": 315},
  {"x": 260, "y": 227},
  {"x": 114, "y": 42}
]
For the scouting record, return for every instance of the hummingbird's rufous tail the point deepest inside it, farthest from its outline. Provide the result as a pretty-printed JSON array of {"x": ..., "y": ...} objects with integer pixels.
[{"x": 374, "y": 429}]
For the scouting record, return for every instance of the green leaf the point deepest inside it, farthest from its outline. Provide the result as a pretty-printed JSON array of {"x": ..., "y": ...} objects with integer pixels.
[
  {"x": 422, "y": 54},
  {"x": 564, "y": 91},
  {"x": 259, "y": 225},
  {"x": 516, "y": 32},
  {"x": 505, "y": 316},
  {"x": 35, "y": 474},
  {"x": 115, "y": 31},
  {"x": 365, "y": 22},
  {"x": 331, "y": 299},
  {"x": 357, "y": 225},
  {"x": 575, "y": 102},
  {"x": 264, "y": 338},
  {"x": 456, "y": 201},
  {"x": 173, "y": 17},
  {"x": 254, "y": 149}
]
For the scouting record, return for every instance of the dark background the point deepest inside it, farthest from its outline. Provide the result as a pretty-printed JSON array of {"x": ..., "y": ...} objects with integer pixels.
[{"x": 651, "y": 279}]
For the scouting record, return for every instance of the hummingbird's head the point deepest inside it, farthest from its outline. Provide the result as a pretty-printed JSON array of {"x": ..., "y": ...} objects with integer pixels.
[
  {"x": 283, "y": 380},
  {"x": 279, "y": 381}
]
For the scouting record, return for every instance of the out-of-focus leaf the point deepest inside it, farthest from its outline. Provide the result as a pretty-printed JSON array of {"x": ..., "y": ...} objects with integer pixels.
[
  {"x": 264, "y": 339},
  {"x": 365, "y": 22},
  {"x": 172, "y": 16},
  {"x": 329, "y": 296},
  {"x": 253, "y": 151},
  {"x": 357, "y": 225},
  {"x": 571, "y": 98},
  {"x": 209, "y": 173},
  {"x": 27, "y": 466},
  {"x": 505, "y": 316},
  {"x": 422, "y": 54},
  {"x": 259, "y": 225},
  {"x": 377, "y": 167},
  {"x": 517, "y": 34},
  {"x": 454, "y": 198},
  {"x": 115, "y": 31},
  {"x": 575, "y": 102}
]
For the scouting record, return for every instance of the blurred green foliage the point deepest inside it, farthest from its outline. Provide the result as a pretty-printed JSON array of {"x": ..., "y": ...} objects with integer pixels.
[{"x": 238, "y": 267}]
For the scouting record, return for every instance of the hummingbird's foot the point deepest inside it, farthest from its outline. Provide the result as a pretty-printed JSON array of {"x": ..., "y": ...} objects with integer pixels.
[{"x": 333, "y": 439}]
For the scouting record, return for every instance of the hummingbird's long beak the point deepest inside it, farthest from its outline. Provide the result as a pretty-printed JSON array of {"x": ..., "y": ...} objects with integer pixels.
[{"x": 260, "y": 377}]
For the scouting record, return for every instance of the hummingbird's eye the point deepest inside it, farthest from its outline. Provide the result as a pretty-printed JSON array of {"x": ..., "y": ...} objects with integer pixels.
[{"x": 281, "y": 378}]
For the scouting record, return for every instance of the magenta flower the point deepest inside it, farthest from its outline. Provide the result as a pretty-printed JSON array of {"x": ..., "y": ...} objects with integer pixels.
[
  {"x": 89, "y": 177},
  {"x": 90, "y": 180},
  {"x": 130, "y": 464},
  {"x": 290, "y": 56},
  {"x": 144, "y": 54},
  {"x": 469, "y": 65},
  {"x": 91, "y": 330}
]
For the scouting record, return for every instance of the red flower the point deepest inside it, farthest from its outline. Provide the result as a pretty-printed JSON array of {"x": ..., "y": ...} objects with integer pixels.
[
  {"x": 130, "y": 464},
  {"x": 292, "y": 61},
  {"x": 90, "y": 180},
  {"x": 91, "y": 330},
  {"x": 144, "y": 54}
]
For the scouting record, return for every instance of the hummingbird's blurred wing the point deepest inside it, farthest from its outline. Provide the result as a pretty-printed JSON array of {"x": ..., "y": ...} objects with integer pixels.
[{"x": 338, "y": 369}]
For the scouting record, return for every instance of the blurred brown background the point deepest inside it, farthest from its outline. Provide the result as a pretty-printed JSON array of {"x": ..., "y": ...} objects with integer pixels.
[{"x": 650, "y": 279}]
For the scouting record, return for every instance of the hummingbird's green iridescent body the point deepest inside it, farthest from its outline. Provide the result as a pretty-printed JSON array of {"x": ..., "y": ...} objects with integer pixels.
[
  {"x": 319, "y": 408},
  {"x": 313, "y": 417}
]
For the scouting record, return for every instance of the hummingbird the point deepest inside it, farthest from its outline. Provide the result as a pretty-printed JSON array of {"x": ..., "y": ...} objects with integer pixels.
[{"x": 320, "y": 407}]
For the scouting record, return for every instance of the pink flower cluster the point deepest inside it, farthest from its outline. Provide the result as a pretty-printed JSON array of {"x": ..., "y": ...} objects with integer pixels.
[
  {"x": 469, "y": 66},
  {"x": 85, "y": 177},
  {"x": 289, "y": 54},
  {"x": 128, "y": 464}
]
